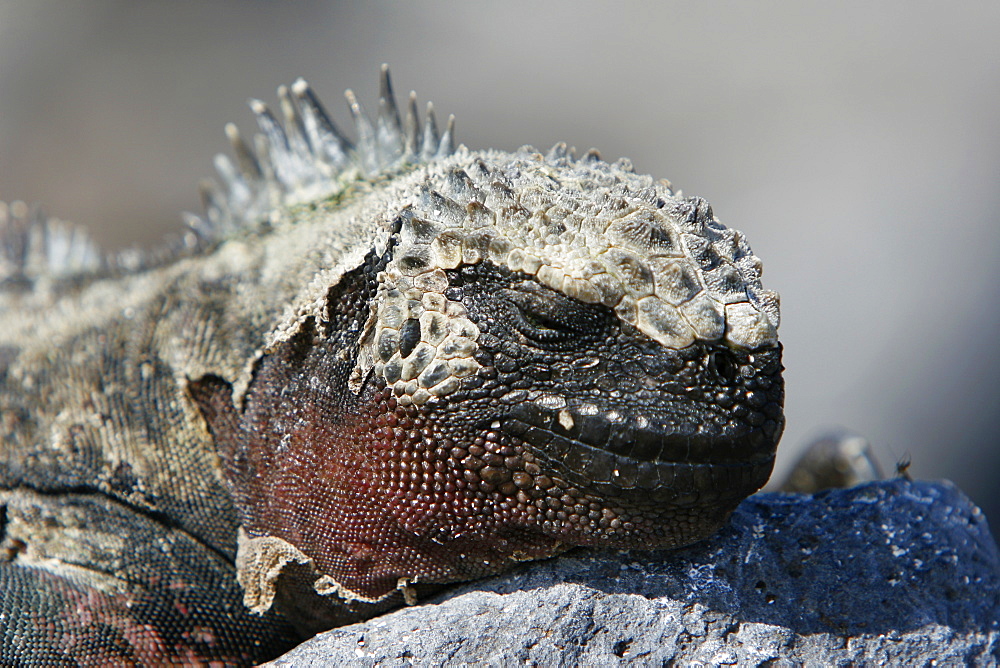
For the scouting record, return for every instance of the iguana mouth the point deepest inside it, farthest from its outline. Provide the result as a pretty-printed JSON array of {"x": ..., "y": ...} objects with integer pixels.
[{"x": 632, "y": 451}]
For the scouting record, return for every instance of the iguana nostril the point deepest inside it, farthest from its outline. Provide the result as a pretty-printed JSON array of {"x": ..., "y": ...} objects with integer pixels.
[{"x": 409, "y": 337}]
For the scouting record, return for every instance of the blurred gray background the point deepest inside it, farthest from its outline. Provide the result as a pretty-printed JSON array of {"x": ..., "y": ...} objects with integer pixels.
[{"x": 857, "y": 144}]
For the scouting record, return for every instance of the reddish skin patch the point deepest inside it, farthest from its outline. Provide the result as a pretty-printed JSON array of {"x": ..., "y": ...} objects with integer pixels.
[
  {"x": 382, "y": 492},
  {"x": 91, "y": 615},
  {"x": 380, "y": 497}
]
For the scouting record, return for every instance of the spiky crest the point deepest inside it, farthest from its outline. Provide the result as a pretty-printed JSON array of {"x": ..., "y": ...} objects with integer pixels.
[
  {"x": 304, "y": 156},
  {"x": 307, "y": 157},
  {"x": 33, "y": 245}
]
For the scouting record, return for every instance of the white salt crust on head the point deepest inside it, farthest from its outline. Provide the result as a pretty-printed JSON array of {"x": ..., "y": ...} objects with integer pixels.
[{"x": 592, "y": 230}]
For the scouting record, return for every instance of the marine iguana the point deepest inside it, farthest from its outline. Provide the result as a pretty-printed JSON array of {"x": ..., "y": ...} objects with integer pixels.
[{"x": 372, "y": 367}]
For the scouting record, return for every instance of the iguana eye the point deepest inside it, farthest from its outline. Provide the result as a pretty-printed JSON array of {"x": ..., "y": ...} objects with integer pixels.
[
  {"x": 539, "y": 325},
  {"x": 549, "y": 317}
]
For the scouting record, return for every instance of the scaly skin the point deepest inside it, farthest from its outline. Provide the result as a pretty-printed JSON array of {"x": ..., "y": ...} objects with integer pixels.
[{"x": 382, "y": 368}]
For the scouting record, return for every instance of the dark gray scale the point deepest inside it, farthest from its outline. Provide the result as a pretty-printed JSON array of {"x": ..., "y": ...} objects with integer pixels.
[{"x": 153, "y": 594}]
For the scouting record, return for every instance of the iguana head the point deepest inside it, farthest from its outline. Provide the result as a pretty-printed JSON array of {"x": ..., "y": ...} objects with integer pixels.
[{"x": 536, "y": 352}]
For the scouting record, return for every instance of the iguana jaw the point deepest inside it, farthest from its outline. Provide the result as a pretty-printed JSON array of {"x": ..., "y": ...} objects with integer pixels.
[
  {"x": 607, "y": 437},
  {"x": 640, "y": 459}
]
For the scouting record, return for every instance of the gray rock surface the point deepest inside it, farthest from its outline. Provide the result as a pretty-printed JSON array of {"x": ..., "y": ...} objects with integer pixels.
[{"x": 890, "y": 572}]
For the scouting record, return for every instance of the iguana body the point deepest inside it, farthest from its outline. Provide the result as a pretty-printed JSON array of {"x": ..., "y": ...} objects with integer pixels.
[{"x": 370, "y": 370}]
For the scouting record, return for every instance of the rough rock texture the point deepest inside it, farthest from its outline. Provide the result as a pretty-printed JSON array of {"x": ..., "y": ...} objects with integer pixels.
[{"x": 896, "y": 571}]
